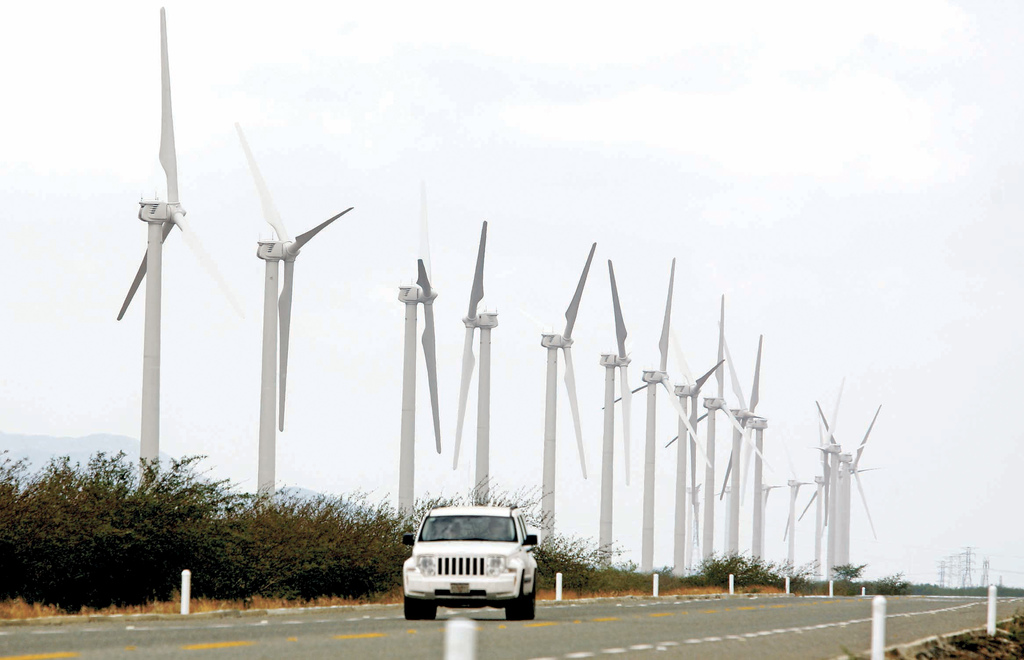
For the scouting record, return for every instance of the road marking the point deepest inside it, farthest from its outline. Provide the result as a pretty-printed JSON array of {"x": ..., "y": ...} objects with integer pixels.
[
  {"x": 502, "y": 627},
  {"x": 360, "y": 636},
  {"x": 39, "y": 656},
  {"x": 581, "y": 654},
  {"x": 613, "y": 651},
  {"x": 540, "y": 625},
  {"x": 131, "y": 648},
  {"x": 662, "y": 614},
  {"x": 746, "y": 608},
  {"x": 607, "y": 618},
  {"x": 214, "y": 645},
  {"x": 293, "y": 639},
  {"x": 641, "y": 647},
  {"x": 413, "y": 632},
  {"x": 710, "y": 612}
]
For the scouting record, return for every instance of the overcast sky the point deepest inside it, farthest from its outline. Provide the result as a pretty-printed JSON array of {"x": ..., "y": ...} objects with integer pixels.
[{"x": 849, "y": 177}]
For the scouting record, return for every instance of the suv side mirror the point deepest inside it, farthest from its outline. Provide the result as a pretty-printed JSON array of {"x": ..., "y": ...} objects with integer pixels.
[
  {"x": 531, "y": 539},
  {"x": 408, "y": 539}
]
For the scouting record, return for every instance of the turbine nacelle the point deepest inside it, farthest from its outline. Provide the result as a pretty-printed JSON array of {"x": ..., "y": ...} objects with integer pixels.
[
  {"x": 554, "y": 341},
  {"x": 153, "y": 210},
  {"x": 482, "y": 320},
  {"x": 654, "y": 377},
  {"x": 685, "y": 390},
  {"x": 613, "y": 360},
  {"x": 412, "y": 294},
  {"x": 271, "y": 250},
  {"x": 757, "y": 423},
  {"x": 714, "y": 403}
]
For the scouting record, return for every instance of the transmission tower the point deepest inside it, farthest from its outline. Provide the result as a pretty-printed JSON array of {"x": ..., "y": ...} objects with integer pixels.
[{"x": 984, "y": 572}]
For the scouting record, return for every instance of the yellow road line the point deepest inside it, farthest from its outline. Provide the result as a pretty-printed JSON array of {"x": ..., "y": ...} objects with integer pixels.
[
  {"x": 608, "y": 618},
  {"x": 214, "y": 645},
  {"x": 662, "y": 614},
  {"x": 710, "y": 611},
  {"x": 360, "y": 636},
  {"x": 746, "y": 608},
  {"x": 540, "y": 625},
  {"x": 40, "y": 656},
  {"x": 778, "y": 607},
  {"x": 293, "y": 639}
]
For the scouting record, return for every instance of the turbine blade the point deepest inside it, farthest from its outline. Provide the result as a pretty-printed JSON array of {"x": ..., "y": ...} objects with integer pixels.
[
  {"x": 270, "y": 213},
  {"x": 423, "y": 278},
  {"x": 663, "y": 342},
  {"x": 746, "y": 453},
  {"x": 789, "y": 521},
  {"x": 677, "y": 350},
  {"x": 477, "y": 293},
  {"x": 468, "y": 362},
  {"x": 141, "y": 274},
  {"x": 284, "y": 308},
  {"x": 719, "y": 376},
  {"x": 430, "y": 356},
  {"x": 304, "y": 238},
  {"x": 627, "y": 402},
  {"x": 732, "y": 418},
  {"x": 860, "y": 450},
  {"x": 725, "y": 481},
  {"x": 864, "y": 500},
  {"x": 755, "y": 390},
  {"x": 809, "y": 502},
  {"x": 835, "y": 414},
  {"x": 703, "y": 379},
  {"x": 168, "y": 157},
  {"x": 674, "y": 401},
  {"x": 620, "y": 325},
  {"x": 424, "y": 235},
  {"x": 574, "y": 306},
  {"x": 208, "y": 264},
  {"x": 570, "y": 386},
  {"x": 737, "y": 390}
]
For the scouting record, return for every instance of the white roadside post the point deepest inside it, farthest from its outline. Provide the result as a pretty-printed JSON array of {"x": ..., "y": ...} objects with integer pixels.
[
  {"x": 787, "y": 585},
  {"x": 991, "y": 625},
  {"x": 732, "y": 584},
  {"x": 186, "y": 590},
  {"x": 460, "y": 640},
  {"x": 878, "y": 628},
  {"x": 830, "y": 591},
  {"x": 863, "y": 591},
  {"x": 655, "y": 580},
  {"x": 558, "y": 586}
]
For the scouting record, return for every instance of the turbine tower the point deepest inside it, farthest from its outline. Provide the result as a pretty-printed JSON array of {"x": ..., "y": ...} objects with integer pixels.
[
  {"x": 790, "y": 533},
  {"x": 552, "y": 343},
  {"x": 611, "y": 362},
  {"x": 412, "y": 296},
  {"x": 712, "y": 404},
  {"x": 161, "y": 217},
  {"x": 486, "y": 321},
  {"x": 283, "y": 248}
]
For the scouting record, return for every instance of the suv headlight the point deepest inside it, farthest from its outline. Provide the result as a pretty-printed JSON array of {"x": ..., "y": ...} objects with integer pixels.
[
  {"x": 427, "y": 565},
  {"x": 496, "y": 565}
]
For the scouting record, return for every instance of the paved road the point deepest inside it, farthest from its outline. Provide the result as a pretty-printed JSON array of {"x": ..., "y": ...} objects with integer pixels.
[{"x": 626, "y": 628}]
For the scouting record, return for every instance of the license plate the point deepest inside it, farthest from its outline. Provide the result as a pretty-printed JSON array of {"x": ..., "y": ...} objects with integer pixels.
[{"x": 460, "y": 587}]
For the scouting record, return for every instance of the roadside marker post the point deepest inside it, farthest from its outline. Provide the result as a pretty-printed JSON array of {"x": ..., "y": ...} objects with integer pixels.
[
  {"x": 830, "y": 592},
  {"x": 558, "y": 586},
  {"x": 863, "y": 591},
  {"x": 655, "y": 579},
  {"x": 732, "y": 584},
  {"x": 186, "y": 590},
  {"x": 460, "y": 640},
  {"x": 787, "y": 585},
  {"x": 878, "y": 628},
  {"x": 991, "y": 624}
]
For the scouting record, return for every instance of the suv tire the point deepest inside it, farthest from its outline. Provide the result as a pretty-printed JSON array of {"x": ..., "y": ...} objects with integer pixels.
[
  {"x": 420, "y": 610},
  {"x": 522, "y": 608}
]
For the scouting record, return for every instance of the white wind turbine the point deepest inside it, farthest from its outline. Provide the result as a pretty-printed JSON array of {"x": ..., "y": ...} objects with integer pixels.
[
  {"x": 742, "y": 420},
  {"x": 712, "y": 404},
  {"x": 486, "y": 321},
  {"x": 273, "y": 252},
  {"x": 794, "y": 490},
  {"x": 553, "y": 342},
  {"x": 412, "y": 296},
  {"x": 611, "y": 362},
  {"x": 659, "y": 377},
  {"x": 830, "y": 450},
  {"x": 161, "y": 218}
]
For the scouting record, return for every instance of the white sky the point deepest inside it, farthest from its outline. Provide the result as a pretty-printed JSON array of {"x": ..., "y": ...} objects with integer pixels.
[{"x": 846, "y": 176}]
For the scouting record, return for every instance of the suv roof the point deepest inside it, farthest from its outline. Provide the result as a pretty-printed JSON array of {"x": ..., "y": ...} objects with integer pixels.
[{"x": 503, "y": 511}]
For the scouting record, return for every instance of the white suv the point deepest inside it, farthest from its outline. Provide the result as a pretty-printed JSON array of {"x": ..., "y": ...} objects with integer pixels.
[{"x": 471, "y": 556}]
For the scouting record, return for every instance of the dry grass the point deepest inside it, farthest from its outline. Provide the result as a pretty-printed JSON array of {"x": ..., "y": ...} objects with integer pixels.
[{"x": 19, "y": 609}]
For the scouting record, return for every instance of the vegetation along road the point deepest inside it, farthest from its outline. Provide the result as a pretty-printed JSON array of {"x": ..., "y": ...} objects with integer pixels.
[{"x": 767, "y": 627}]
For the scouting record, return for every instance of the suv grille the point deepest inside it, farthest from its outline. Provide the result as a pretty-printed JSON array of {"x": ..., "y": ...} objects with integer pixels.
[{"x": 460, "y": 566}]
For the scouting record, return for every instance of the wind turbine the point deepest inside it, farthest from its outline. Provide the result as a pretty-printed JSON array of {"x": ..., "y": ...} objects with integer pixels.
[
  {"x": 830, "y": 465},
  {"x": 653, "y": 378},
  {"x": 611, "y": 362},
  {"x": 486, "y": 321},
  {"x": 412, "y": 296},
  {"x": 790, "y": 533},
  {"x": 553, "y": 342},
  {"x": 161, "y": 217},
  {"x": 273, "y": 252},
  {"x": 712, "y": 404}
]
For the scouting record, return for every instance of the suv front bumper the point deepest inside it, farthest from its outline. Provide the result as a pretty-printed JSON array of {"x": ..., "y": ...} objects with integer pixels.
[{"x": 442, "y": 588}]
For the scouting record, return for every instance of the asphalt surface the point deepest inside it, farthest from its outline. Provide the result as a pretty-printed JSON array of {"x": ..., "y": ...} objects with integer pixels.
[{"x": 769, "y": 627}]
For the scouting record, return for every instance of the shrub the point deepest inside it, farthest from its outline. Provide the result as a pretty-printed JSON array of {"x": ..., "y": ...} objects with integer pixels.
[{"x": 892, "y": 585}]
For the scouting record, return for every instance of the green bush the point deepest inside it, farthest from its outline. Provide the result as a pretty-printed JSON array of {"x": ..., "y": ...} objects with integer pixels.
[{"x": 892, "y": 585}]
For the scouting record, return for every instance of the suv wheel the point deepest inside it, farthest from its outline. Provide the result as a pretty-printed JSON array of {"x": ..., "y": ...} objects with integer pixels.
[
  {"x": 522, "y": 608},
  {"x": 419, "y": 610}
]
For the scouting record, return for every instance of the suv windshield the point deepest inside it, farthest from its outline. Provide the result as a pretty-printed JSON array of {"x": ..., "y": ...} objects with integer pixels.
[{"x": 468, "y": 528}]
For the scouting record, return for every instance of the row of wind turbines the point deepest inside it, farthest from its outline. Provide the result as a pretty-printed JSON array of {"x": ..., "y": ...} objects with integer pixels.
[{"x": 833, "y": 486}]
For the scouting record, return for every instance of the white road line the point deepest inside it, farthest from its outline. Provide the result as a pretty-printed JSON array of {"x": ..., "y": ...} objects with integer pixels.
[{"x": 613, "y": 651}]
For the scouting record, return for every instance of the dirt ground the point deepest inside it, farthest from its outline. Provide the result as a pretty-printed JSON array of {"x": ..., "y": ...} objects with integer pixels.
[{"x": 1008, "y": 643}]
